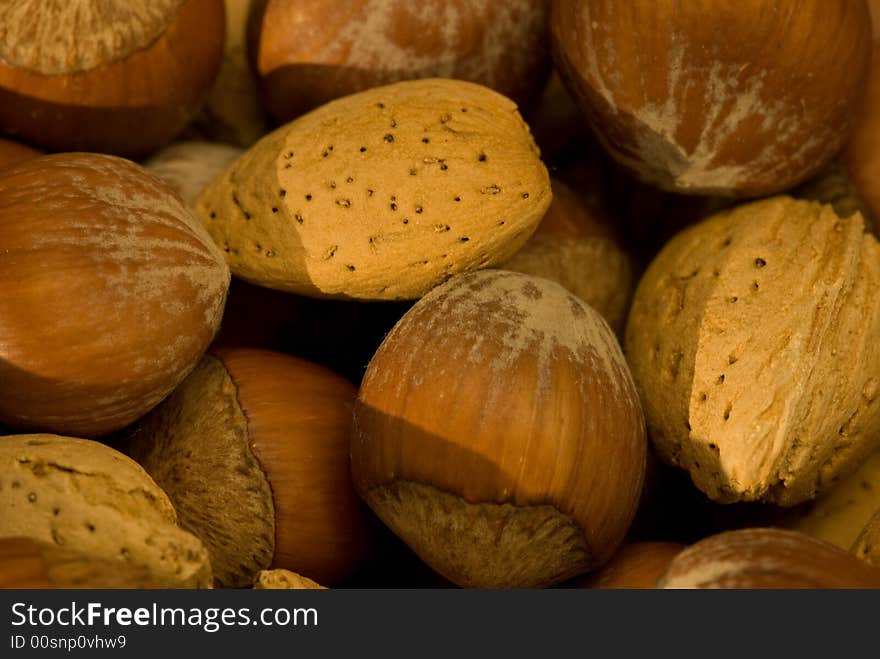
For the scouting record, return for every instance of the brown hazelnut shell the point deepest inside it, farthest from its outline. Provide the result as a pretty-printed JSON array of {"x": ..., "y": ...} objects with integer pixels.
[
  {"x": 112, "y": 292},
  {"x": 759, "y": 558},
  {"x": 13, "y": 152},
  {"x": 252, "y": 448},
  {"x": 498, "y": 433},
  {"x": 635, "y": 565},
  {"x": 716, "y": 96},
  {"x": 128, "y": 106},
  {"x": 860, "y": 154},
  {"x": 305, "y": 55}
]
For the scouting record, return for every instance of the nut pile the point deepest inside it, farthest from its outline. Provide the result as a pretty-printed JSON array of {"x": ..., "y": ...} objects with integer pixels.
[{"x": 451, "y": 294}]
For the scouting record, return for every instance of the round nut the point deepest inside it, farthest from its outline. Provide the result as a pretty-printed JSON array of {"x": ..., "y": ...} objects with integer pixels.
[
  {"x": 634, "y": 565},
  {"x": 106, "y": 75},
  {"x": 112, "y": 291},
  {"x": 767, "y": 558},
  {"x": 252, "y": 448},
  {"x": 306, "y": 56},
  {"x": 716, "y": 96},
  {"x": 498, "y": 433},
  {"x": 575, "y": 246},
  {"x": 13, "y": 152},
  {"x": 860, "y": 156}
]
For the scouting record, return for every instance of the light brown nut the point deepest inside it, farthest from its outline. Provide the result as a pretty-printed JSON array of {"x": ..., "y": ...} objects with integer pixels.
[
  {"x": 30, "y": 563},
  {"x": 497, "y": 431},
  {"x": 767, "y": 558},
  {"x": 690, "y": 97},
  {"x": 190, "y": 166},
  {"x": 282, "y": 579},
  {"x": 82, "y": 495},
  {"x": 867, "y": 545},
  {"x": 839, "y": 515},
  {"x": 575, "y": 246},
  {"x": 233, "y": 112},
  {"x": 382, "y": 194},
  {"x": 752, "y": 338}
]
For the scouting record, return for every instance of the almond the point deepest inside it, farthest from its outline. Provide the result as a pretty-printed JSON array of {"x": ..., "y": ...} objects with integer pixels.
[
  {"x": 281, "y": 579},
  {"x": 190, "y": 166},
  {"x": 382, "y": 194},
  {"x": 29, "y": 563},
  {"x": 752, "y": 339},
  {"x": 840, "y": 513},
  {"x": 867, "y": 544},
  {"x": 82, "y": 495}
]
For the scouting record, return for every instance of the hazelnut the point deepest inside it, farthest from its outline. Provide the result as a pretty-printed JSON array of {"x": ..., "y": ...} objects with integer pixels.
[
  {"x": 860, "y": 156},
  {"x": 634, "y": 565},
  {"x": 576, "y": 246},
  {"x": 13, "y": 152},
  {"x": 730, "y": 98},
  {"x": 497, "y": 432},
  {"x": 252, "y": 448},
  {"x": 106, "y": 75},
  {"x": 112, "y": 291},
  {"x": 767, "y": 558},
  {"x": 190, "y": 166},
  {"x": 305, "y": 55}
]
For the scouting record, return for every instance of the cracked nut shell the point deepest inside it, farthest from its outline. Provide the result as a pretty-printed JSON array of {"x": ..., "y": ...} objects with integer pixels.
[{"x": 252, "y": 448}]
